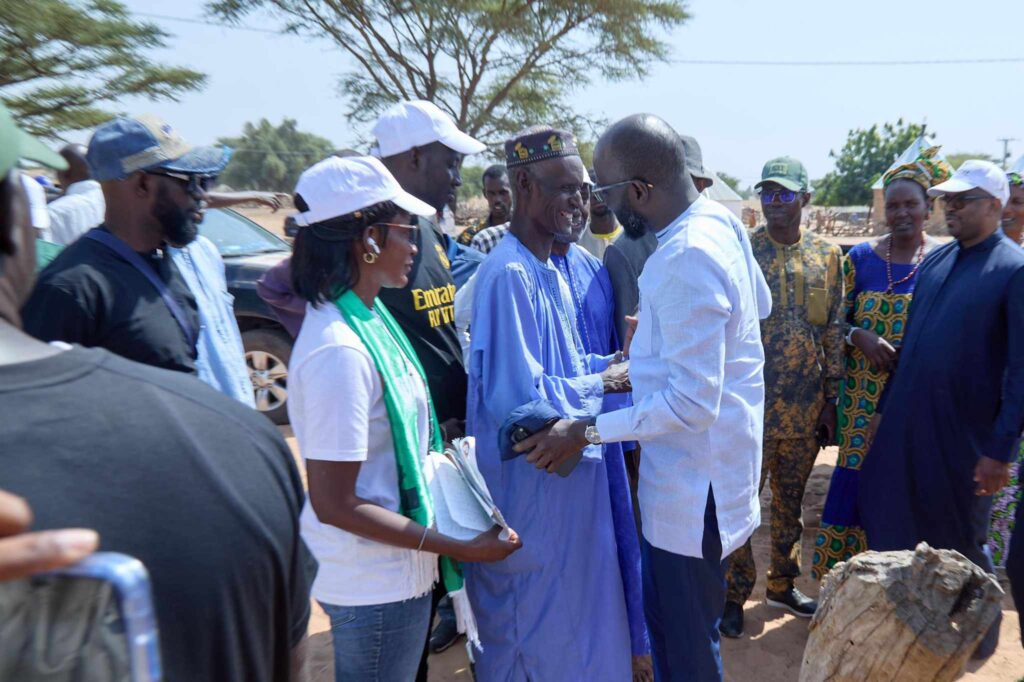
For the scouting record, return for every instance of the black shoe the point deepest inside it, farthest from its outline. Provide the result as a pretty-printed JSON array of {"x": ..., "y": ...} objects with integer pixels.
[
  {"x": 794, "y": 601},
  {"x": 445, "y": 634},
  {"x": 732, "y": 620}
]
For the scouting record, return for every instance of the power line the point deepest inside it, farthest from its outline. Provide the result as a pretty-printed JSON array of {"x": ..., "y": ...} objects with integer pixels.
[
  {"x": 885, "y": 62},
  {"x": 207, "y": 22},
  {"x": 695, "y": 62}
]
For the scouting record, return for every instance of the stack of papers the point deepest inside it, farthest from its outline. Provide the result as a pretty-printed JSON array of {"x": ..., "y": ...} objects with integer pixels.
[{"x": 463, "y": 506}]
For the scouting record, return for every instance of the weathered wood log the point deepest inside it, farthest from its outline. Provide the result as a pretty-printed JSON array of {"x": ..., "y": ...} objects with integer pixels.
[{"x": 899, "y": 616}]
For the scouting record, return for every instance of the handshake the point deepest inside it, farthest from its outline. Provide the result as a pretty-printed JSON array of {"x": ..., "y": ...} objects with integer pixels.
[{"x": 549, "y": 448}]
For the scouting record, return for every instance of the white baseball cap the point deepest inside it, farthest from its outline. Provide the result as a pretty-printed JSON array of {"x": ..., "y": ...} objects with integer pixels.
[
  {"x": 336, "y": 187},
  {"x": 974, "y": 173},
  {"x": 417, "y": 123}
]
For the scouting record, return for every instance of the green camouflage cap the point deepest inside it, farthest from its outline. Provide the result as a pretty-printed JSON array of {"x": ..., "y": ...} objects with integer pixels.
[
  {"x": 17, "y": 144},
  {"x": 785, "y": 171}
]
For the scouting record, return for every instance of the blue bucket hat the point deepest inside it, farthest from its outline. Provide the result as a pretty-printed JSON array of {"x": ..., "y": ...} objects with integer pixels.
[{"x": 122, "y": 146}]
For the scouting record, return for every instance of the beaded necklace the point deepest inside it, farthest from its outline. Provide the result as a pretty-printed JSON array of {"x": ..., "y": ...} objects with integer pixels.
[{"x": 888, "y": 265}]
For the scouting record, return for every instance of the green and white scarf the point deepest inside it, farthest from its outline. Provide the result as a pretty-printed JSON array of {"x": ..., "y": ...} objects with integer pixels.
[{"x": 391, "y": 351}]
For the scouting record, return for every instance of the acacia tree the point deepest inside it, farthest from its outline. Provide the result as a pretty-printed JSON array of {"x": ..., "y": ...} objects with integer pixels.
[
  {"x": 269, "y": 157},
  {"x": 494, "y": 65},
  {"x": 862, "y": 160},
  {"x": 60, "y": 61}
]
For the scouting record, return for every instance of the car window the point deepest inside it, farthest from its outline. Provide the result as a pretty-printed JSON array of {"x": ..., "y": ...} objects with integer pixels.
[{"x": 236, "y": 235}]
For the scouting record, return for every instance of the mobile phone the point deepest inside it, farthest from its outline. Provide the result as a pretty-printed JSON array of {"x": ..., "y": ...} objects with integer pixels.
[
  {"x": 519, "y": 434},
  {"x": 92, "y": 621}
]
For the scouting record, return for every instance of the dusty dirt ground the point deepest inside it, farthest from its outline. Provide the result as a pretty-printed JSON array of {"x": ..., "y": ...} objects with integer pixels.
[{"x": 772, "y": 647}]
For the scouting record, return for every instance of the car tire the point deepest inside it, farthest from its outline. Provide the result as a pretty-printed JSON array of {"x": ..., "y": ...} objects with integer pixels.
[{"x": 267, "y": 354}]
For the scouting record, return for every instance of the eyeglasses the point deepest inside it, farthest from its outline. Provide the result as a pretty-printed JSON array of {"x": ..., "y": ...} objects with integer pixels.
[
  {"x": 599, "y": 192},
  {"x": 195, "y": 185},
  {"x": 786, "y": 196},
  {"x": 955, "y": 202},
  {"x": 410, "y": 230}
]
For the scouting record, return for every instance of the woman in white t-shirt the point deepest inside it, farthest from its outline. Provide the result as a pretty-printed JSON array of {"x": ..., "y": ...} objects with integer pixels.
[{"x": 361, "y": 413}]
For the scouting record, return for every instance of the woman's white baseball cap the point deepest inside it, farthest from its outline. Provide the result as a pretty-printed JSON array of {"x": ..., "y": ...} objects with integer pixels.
[
  {"x": 975, "y": 173},
  {"x": 418, "y": 123},
  {"x": 336, "y": 187}
]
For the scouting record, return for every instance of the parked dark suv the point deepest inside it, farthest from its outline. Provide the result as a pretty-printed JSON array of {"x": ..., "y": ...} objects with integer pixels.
[{"x": 248, "y": 251}]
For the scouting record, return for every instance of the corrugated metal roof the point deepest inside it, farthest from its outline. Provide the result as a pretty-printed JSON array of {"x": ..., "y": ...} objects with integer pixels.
[{"x": 721, "y": 191}]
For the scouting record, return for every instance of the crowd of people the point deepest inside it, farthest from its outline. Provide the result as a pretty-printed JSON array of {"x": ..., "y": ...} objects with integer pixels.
[{"x": 633, "y": 365}]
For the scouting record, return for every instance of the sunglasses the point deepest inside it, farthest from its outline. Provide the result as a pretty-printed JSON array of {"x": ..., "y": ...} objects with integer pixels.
[
  {"x": 785, "y": 196},
  {"x": 194, "y": 184},
  {"x": 600, "y": 192},
  {"x": 410, "y": 230},
  {"x": 959, "y": 201}
]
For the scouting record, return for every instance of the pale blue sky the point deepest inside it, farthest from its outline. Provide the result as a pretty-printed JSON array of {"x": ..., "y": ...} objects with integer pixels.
[{"x": 742, "y": 115}]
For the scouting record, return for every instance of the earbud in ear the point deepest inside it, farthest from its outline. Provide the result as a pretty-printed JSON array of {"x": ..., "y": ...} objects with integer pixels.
[{"x": 373, "y": 245}]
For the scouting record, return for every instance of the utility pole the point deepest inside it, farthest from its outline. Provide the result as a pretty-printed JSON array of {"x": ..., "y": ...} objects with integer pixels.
[{"x": 1006, "y": 148}]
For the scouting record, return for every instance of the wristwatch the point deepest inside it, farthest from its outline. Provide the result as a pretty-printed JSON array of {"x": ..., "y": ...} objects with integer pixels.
[
  {"x": 591, "y": 434},
  {"x": 849, "y": 335}
]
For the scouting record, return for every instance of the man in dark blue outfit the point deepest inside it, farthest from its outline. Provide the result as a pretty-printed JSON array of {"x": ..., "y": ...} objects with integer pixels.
[{"x": 955, "y": 407}]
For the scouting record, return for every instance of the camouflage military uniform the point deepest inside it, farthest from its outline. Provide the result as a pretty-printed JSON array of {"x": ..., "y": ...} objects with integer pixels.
[
  {"x": 803, "y": 348},
  {"x": 466, "y": 236}
]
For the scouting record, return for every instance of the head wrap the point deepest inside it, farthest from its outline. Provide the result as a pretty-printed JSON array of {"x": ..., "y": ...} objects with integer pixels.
[
  {"x": 925, "y": 170},
  {"x": 538, "y": 145}
]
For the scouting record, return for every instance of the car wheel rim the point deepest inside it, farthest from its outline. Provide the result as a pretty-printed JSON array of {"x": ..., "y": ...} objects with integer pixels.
[{"x": 269, "y": 376}]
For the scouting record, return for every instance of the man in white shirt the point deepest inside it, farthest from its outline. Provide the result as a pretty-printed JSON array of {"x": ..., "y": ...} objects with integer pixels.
[
  {"x": 82, "y": 206},
  {"x": 37, "y": 214},
  {"x": 698, "y": 391}
]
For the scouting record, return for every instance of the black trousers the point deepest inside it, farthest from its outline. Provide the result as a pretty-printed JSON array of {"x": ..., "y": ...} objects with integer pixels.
[{"x": 683, "y": 601}]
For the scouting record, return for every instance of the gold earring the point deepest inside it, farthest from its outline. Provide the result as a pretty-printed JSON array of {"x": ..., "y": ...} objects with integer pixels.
[{"x": 370, "y": 258}]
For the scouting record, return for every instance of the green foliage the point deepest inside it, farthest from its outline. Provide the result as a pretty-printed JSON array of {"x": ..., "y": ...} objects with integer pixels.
[
  {"x": 955, "y": 160},
  {"x": 61, "y": 61},
  {"x": 734, "y": 184},
  {"x": 472, "y": 183},
  {"x": 866, "y": 155},
  {"x": 495, "y": 66},
  {"x": 272, "y": 158}
]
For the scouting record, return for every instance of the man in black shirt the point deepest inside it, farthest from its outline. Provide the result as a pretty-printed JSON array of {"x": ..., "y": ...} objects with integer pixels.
[
  {"x": 115, "y": 287},
  {"x": 423, "y": 149},
  {"x": 198, "y": 487}
]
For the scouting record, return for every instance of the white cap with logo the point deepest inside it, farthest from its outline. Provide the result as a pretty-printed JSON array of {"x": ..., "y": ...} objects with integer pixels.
[
  {"x": 418, "y": 123},
  {"x": 983, "y": 175},
  {"x": 336, "y": 187}
]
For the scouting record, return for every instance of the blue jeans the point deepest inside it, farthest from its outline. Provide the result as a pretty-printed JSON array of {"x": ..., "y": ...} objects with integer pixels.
[{"x": 379, "y": 643}]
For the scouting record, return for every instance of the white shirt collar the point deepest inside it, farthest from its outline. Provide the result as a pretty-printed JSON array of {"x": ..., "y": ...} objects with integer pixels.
[{"x": 674, "y": 226}]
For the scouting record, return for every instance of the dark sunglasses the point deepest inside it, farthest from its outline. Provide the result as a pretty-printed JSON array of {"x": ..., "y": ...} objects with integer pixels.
[
  {"x": 959, "y": 201},
  {"x": 194, "y": 184},
  {"x": 600, "y": 192},
  {"x": 786, "y": 196},
  {"x": 411, "y": 230}
]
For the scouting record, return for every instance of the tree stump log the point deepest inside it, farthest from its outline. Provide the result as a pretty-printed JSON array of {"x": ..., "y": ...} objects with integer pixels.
[{"x": 900, "y": 616}]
